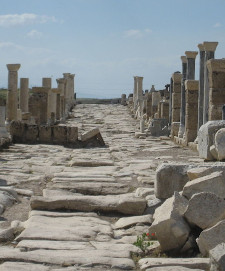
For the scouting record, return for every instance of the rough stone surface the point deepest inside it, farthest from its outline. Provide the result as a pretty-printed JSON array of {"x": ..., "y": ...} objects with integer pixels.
[
  {"x": 210, "y": 238},
  {"x": 214, "y": 183},
  {"x": 206, "y": 136},
  {"x": 192, "y": 263},
  {"x": 170, "y": 178},
  {"x": 126, "y": 222},
  {"x": 126, "y": 204},
  {"x": 220, "y": 143},
  {"x": 217, "y": 256},
  {"x": 205, "y": 210},
  {"x": 169, "y": 226}
]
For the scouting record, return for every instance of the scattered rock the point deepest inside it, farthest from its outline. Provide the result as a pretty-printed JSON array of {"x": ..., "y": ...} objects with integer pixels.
[
  {"x": 213, "y": 183},
  {"x": 170, "y": 228},
  {"x": 217, "y": 256},
  {"x": 126, "y": 222},
  {"x": 144, "y": 192},
  {"x": 170, "y": 178},
  {"x": 205, "y": 210},
  {"x": 210, "y": 238},
  {"x": 6, "y": 234}
]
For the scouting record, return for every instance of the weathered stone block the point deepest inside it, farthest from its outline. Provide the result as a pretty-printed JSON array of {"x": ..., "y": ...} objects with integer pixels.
[
  {"x": 215, "y": 112},
  {"x": 45, "y": 134},
  {"x": 217, "y": 256},
  {"x": 176, "y": 100},
  {"x": 31, "y": 133},
  {"x": 170, "y": 178},
  {"x": 175, "y": 114},
  {"x": 220, "y": 143},
  {"x": 205, "y": 210},
  {"x": 211, "y": 237},
  {"x": 72, "y": 134},
  {"x": 206, "y": 136},
  {"x": 175, "y": 129},
  {"x": 17, "y": 129},
  {"x": 171, "y": 229},
  {"x": 190, "y": 135},
  {"x": 59, "y": 134},
  {"x": 213, "y": 183}
]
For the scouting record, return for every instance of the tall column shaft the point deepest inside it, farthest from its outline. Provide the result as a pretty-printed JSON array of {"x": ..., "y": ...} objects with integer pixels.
[
  {"x": 24, "y": 94},
  {"x": 182, "y": 110},
  {"x": 135, "y": 93},
  {"x": 47, "y": 82},
  {"x": 170, "y": 100},
  {"x": 12, "y": 97},
  {"x": 210, "y": 48},
  {"x": 201, "y": 85}
]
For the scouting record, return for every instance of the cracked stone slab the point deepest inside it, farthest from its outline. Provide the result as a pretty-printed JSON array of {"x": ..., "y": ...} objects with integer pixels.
[
  {"x": 124, "y": 203},
  {"x": 68, "y": 258},
  {"x": 193, "y": 263}
]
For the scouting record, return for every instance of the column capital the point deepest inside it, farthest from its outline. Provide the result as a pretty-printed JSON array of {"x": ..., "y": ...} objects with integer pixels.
[
  {"x": 183, "y": 59},
  {"x": 191, "y": 84},
  {"x": 191, "y": 54},
  {"x": 176, "y": 77},
  {"x": 210, "y": 45},
  {"x": 61, "y": 80},
  {"x": 13, "y": 67},
  {"x": 66, "y": 74},
  {"x": 201, "y": 47},
  {"x": 72, "y": 76},
  {"x": 140, "y": 78}
]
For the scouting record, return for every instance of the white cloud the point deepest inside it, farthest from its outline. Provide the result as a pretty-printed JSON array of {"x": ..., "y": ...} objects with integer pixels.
[
  {"x": 34, "y": 34},
  {"x": 217, "y": 25},
  {"x": 25, "y": 18},
  {"x": 136, "y": 33}
]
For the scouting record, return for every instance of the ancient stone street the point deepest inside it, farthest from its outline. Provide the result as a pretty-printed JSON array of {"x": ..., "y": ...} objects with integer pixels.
[{"x": 82, "y": 209}]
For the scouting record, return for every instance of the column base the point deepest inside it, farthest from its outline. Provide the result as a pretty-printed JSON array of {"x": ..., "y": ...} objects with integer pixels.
[{"x": 181, "y": 131}]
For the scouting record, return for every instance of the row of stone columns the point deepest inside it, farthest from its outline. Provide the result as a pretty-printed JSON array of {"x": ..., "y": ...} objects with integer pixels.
[
  {"x": 45, "y": 104},
  {"x": 195, "y": 100}
]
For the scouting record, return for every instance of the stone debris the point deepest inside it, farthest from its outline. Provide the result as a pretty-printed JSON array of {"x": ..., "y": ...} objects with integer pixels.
[
  {"x": 217, "y": 256},
  {"x": 170, "y": 178},
  {"x": 169, "y": 226},
  {"x": 205, "y": 210},
  {"x": 211, "y": 237}
]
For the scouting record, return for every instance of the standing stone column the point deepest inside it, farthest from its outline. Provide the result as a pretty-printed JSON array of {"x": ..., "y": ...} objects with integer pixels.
[
  {"x": 210, "y": 48},
  {"x": 182, "y": 111},
  {"x": 216, "y": 73},
  {"x": 176, "y": 104},
  {"x": 47, "y": 83},
  {"x": 149, "y": 105},
  {"x": 140, "y": 94},
  {"x": 135, "y": 93},
  {"x": 3, "y": 131},
  {"x": 72, "y": 76},
  {"x": 61, "y": 87},
  {"x": 201, "y": 84},
  {"x": 24, "y": 94},
  {"x": 170, "y": 101},
  {"x": 191, "y": 117},
  {"x": 191, "y": 55},
  {"x": 12, "y": 97}
]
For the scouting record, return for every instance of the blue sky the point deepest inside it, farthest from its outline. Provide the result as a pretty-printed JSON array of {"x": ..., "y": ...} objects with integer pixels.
[{"x": 106, "y": 42}]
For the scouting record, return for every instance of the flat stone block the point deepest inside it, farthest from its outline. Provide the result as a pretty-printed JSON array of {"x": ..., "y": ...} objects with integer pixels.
[
  {"x": 31, "y": 133},
  {"x": 72, "y": 134},
  {"x": 17, "y": 129},
  {"x": 59, "y": 134},
  {"x": 45, "y": 134}
]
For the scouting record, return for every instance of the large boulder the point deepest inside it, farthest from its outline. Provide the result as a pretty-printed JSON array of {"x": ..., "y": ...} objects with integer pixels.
[
  {"x": 171, "y": 230},
  {"x": 210, "y": 238},
  {"x": 201, "y": 171},
  {"x": 214, "y": 183},
  {"x": 217, "y": 256},
  {"x": 205, "y": 210},
  {"x": 220, "y": 144},
  {"x": 206, "y": 135},
  {"x": 170, "y": 178}
]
